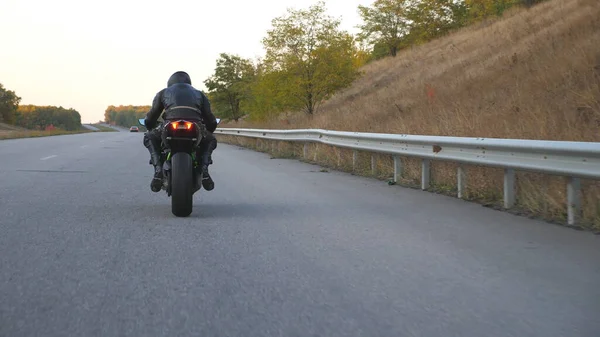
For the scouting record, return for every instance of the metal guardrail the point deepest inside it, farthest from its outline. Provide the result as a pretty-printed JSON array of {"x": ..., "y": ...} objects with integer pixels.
[{"x": 575, "y": 160}]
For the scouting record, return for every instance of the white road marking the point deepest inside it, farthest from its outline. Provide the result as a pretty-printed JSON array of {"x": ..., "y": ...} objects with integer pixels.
[
  {"x": 46, "y": 158},
  {"x": 83, "y": 146}
]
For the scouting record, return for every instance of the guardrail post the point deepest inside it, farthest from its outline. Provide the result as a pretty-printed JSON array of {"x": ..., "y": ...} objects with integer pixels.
[
  {"x": 339, "y": 156},
  {"x": 397, "y": 168},
  {"x": 373, "y": 165},
  {"x": 316, "y": 152},
  {"x": 574, "y": 200},
  {"x": 425, "y": 174},
  {"x": 354, "y": 159},
  {"x": 509, "y": 188},
  {"x": 305, "y": 153},
  {"x": 462, "y": 177}
]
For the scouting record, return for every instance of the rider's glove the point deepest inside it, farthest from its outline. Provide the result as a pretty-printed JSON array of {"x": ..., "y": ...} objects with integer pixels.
[{"x": 148, "y": 124}]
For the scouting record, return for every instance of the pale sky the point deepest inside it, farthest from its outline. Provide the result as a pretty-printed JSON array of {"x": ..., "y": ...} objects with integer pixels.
[{"x": 88, "y": 55}]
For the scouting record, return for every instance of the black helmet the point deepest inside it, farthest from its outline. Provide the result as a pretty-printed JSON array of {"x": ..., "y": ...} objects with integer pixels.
[{"x": 179, "y": 77}]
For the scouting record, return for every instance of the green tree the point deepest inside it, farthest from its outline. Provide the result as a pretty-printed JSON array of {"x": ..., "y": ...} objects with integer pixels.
[
  {"x": 480, "y": 9},
  {"x": 385, "y": 23},
  {"x": 229, "y": 86},
  {"x": 309, "y": 56},
  {"x": 268, "y": 93},
  {"x": 125, "y": 116},
  {"x": 9, "y": 104},
  {"x": 40, "y": 117},
  {"x": 434, "y": 18}
]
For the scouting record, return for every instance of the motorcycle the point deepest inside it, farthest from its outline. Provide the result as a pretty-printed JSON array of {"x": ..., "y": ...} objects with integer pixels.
[{"x": 180, "y": 141}]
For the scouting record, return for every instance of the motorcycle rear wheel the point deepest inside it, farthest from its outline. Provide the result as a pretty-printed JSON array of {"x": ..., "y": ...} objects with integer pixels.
[{"x": 182, "y": 184}]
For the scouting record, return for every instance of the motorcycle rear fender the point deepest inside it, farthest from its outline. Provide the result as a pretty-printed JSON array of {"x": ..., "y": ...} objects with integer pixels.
[{"x": 178, "y": 140}]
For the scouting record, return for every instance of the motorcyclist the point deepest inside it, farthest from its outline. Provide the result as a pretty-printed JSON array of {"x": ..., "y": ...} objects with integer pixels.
[{"x": 180, "y": 100}]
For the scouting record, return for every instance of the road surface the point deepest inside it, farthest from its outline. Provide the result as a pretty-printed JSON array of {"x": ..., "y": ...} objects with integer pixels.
[
  {"x": 116, "y": 127},
  {"x": 277, "y": 249},
  {"x": 90, "y": 127}
]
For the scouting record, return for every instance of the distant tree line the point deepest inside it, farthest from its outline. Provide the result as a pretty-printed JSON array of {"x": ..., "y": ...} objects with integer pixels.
[
  {"x": 125, "y": 116},
  {"x": 309, "y": 58},
  {"x": 35, "y": 117},
  {"x": 41, "y": 117}
]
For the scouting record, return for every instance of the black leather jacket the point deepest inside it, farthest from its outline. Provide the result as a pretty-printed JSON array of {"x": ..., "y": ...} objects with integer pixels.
[{"x": 181, "y": 100}]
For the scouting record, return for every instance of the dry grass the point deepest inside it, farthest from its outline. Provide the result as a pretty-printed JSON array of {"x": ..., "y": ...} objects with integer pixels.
[
  {"x": 533, "y": 74},
  {"x": 9, "y": 127},
  {"x": 32, "y": 133}
]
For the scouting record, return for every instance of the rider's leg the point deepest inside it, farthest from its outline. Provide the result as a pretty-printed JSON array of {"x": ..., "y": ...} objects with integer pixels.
[
  {"x": 207, "y": 146},
  {"x": 152, "y": 141}
]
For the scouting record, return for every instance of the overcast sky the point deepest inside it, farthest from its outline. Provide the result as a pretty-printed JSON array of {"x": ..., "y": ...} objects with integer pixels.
[{"x": 88, "y": 55}]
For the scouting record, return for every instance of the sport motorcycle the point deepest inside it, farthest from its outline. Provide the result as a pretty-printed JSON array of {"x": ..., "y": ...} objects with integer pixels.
[{"x": 180, "y": 141}]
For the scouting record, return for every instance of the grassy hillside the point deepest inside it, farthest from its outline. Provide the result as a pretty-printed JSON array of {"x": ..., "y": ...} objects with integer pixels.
[{"x": 531, "y": 74}]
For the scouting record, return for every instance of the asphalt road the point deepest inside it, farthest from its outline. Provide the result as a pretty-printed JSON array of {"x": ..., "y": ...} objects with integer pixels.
[
  {"x": 90, "y": 127},
  {"x": 117, "y": 127},
  {"x": 277, "y": 249}
]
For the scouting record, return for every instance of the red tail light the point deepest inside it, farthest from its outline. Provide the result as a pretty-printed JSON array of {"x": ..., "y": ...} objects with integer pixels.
[{"x": 178, "y": 125}]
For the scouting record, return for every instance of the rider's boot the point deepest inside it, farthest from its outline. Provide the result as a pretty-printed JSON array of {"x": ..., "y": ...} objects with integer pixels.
[
  {"x": 157, "y": 180},
  {"x": 207, "y": 181},
  {"x": 152, "y": 143},
  {"x": 204, "y": 154}
]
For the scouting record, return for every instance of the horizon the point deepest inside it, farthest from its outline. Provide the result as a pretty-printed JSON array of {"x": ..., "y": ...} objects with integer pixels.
[{"x": 88, "y": 56}]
